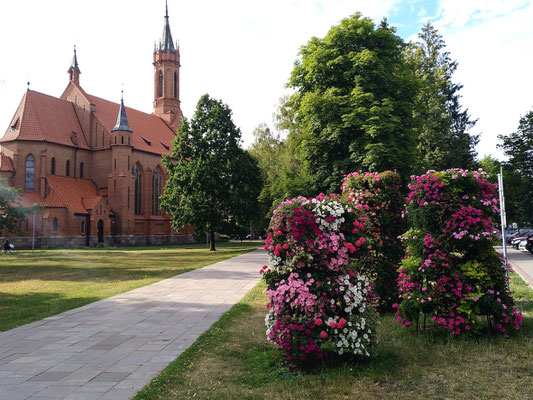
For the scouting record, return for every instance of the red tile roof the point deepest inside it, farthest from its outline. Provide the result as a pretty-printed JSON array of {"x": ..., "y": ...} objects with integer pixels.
[
  {"x": 78, "y": 195},
  {"x": 6, "y": 165},
  {"x": 45, "y": 118},
  {"x": 30, "y": 198},
  {"x": 150, "y": 133}
]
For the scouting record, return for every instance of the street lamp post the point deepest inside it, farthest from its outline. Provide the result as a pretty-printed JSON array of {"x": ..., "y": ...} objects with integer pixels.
[
  {"x": 503, "y": 221},
  {"x": 34, "y": 211}
]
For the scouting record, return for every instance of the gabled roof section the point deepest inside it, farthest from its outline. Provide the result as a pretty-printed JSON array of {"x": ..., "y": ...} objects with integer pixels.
[
  {"x": 147, "y": 128},
  {"x": 45, "y": 118},
  {"x": 6, "y": 164},
  {"x": 78, "y": 195}
]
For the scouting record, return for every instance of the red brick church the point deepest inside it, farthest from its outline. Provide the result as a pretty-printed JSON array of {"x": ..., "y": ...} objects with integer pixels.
[{"x": 93, "y": 164}]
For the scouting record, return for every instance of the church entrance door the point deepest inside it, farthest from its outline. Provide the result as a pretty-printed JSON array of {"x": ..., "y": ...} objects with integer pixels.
[{"x": 100, "y": 231}]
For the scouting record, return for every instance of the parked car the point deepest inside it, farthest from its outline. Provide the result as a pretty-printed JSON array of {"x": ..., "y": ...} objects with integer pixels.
[
  {"x": 529, "y": 245},
  {"x": 515, "y": 235},
  {"x": 522, "y": 245},
  {"x": 515, "y": 242}
]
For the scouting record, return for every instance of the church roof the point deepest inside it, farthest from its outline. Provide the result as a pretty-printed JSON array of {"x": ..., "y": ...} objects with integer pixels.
[
  {"x": 29, "y": 199},
  {"x": 78, "y": 195},
  {"x": 40, "y": 117},
  {"x": 6, "y": 164},
  {"x": 150, "y": 133}
]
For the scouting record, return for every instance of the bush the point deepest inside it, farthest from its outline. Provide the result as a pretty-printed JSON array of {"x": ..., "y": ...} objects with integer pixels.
[
  {"x": 319, "y": 304},
  {"x": 452, "y": 273},
  {"x": 379, "y": 196}
]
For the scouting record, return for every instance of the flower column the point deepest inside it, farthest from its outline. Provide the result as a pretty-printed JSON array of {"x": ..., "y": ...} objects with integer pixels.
[{"x": 319, "y": 304}]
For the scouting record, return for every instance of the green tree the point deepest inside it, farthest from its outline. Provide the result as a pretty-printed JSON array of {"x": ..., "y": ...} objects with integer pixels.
[
  {"x": 11, "y": 210},
  {"x": 518, "y": 173},
  {"x": 353, "y": 102},
  {"x": 281, "y": 168},
  {"x": 443, "y": 140},
  {"x": 213, "y": 183},
  {"x": 491, "y": 166}
]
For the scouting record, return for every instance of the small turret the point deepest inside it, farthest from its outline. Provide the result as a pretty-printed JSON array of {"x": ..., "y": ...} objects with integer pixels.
[
  {"x": 74, "y": 70},
  {"x": 121, "y": 131}
]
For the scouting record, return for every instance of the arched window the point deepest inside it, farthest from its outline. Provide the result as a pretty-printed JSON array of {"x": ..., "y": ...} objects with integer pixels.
[
  {"x": 81, "y": 170},
  {"x": 54, "y": 225},
  {"x": 82, "y": 226},
  {"x": 30, "y": 172},
  {"x": 175, "y": 85},
  {"x": 156, "y": 192},
  {"x": 67, "y": 168},
  {"x": 122, "y": 140},
  {"x": 160, "y": 84},
  {"x": 53, "y": 166},
  {"x": 138, "y": 188}
]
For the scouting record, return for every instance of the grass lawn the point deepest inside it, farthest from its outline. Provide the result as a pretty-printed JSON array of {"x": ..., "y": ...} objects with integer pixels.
[
  {"x": 232, "y": 360},
  {"x": 52, "y": 281}
]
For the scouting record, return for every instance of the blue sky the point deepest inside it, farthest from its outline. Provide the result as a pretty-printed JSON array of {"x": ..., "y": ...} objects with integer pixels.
[{"x": 242, "y": 51}]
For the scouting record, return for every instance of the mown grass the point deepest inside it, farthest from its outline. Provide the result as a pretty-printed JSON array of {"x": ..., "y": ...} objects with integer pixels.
[
  {"x": 35, "y": 286},
  {"x": 232, "y": 360}
]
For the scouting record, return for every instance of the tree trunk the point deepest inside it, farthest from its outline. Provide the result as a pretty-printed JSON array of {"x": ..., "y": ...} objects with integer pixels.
[{"x": 212, "y": 241}]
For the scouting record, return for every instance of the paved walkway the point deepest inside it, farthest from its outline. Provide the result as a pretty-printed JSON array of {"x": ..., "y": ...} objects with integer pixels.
[
  {"x": 522, "y": 263},
  {"x": 112, "y": 348}
]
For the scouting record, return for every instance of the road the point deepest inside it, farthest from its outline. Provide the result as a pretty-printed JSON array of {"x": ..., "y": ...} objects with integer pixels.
[{"x": 521, "y": 262}]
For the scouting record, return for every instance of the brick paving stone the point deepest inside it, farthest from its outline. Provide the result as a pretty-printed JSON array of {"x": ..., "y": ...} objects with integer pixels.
[{"x": 110, "y": 349}]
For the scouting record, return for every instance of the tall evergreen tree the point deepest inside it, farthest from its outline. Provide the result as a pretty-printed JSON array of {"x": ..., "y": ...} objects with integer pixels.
[
  {"x": 444, "y": 139},
  {"x": 518, "y": 177},
  {"x": 213, "y": 182},
  {"x": 353, "y": 102}
]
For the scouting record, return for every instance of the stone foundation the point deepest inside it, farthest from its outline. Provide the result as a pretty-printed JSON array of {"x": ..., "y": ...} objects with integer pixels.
[{"x": 72, "y": 242}]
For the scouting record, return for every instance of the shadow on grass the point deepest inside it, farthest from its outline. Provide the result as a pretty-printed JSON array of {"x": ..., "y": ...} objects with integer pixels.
[
  {"x": 113, "y": 266},
  {"x": 21, "y": 309},
  {"x": 93, "y": 274}
]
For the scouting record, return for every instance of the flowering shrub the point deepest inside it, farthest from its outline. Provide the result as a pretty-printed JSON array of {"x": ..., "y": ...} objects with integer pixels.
[
  {"x": 451, "y": 272},
  {"x": 379, "y": 197},
  {"x": 319, "y": 304}
]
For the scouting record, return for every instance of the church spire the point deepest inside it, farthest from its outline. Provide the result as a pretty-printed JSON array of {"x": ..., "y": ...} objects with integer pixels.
[
  {"x": 166, "y": 39},
  {"x": 74, "y": 64},
  {"x": 122, "y": 118},
  {"x": 74, "y": 70},
  {"x": 166, "y": 78}
]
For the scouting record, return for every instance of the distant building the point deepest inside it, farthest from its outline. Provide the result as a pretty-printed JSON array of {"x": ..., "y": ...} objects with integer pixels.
[{"x": 94, "y": 164}]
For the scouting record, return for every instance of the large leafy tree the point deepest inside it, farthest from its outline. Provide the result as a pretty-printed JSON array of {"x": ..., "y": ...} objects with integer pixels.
[
  {"x": 213, "y": 182},
  {"x": 444, "y": 139},
  {"x": 11, "y": 210},
  {"x": 518, "y": 181},
  {"x": 353, "y": 102}
]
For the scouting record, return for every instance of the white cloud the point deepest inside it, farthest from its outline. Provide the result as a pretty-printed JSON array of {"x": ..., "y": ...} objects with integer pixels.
[
  {"x": 495, "y": 59},
  {"x": 458, "y": 13}
]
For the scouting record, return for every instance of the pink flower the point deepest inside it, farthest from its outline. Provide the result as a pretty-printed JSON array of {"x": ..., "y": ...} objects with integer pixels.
[
  {"x": 318, "y": 322},
  {"x": 323, "y": 334}
]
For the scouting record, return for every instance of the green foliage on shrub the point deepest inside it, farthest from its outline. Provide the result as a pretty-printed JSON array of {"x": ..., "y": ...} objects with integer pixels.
[{"x": 380, "y": 198}]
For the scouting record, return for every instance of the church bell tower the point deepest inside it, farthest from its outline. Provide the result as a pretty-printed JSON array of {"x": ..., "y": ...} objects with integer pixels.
[{"x": 167, "y": 78}]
